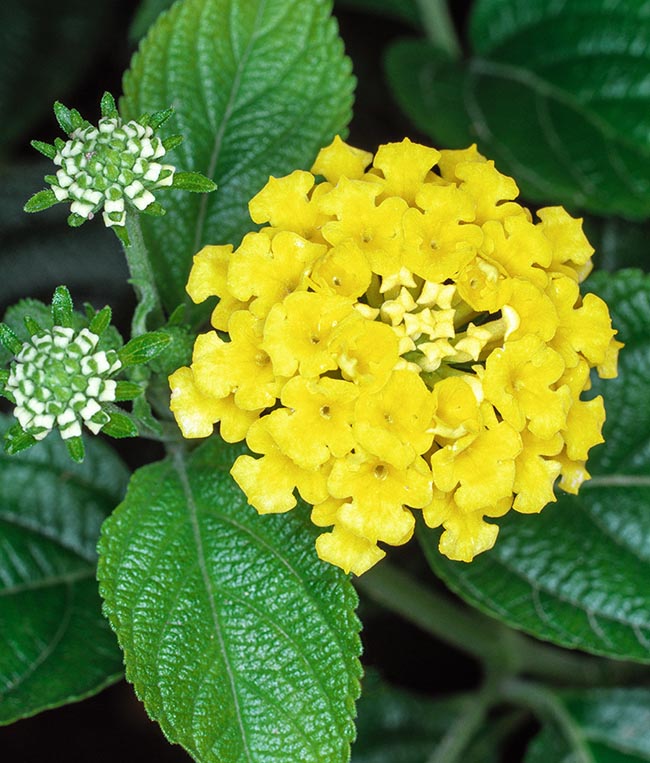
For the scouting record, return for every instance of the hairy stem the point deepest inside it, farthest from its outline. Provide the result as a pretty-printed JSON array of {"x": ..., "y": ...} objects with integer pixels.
[{"x": 142, "y": 278}]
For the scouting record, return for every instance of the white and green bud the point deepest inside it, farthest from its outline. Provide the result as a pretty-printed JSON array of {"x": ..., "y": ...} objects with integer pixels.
[
  {"x": 109, "y": 166},
  {"x": 59, "y": 379}
]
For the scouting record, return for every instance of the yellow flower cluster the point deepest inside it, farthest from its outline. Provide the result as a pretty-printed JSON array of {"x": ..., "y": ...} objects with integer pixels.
[{"x": 396, "y": 338}]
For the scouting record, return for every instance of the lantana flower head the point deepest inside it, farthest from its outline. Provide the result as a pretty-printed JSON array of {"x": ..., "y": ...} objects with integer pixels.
[
  {"x": 111, "y": 167},
  {"x": 400, "y": 336},
  {"x": 62, "y": 375}
]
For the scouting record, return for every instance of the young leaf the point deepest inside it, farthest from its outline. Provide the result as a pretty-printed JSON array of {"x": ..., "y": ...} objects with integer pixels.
[
  {"x": 9, "y": 340},
  {"x": 125, "y": 390},
  {"x": 612, "y": 725},
  {"x": 101, "y": 320},
  {"x": 552, "y": 575},
  {"x": 143, "y": 348},
  {"x": 108, "y": 107},
  {"x": 264, "y": 86},
  {"x": 55, "y": 645},
  {"x": 120, "y": 426},
  {"x": 544, "y": 121},
  {"x": 63, "y": 117},
  {"x": 231, "y": 626},
  {"x": 41, "y": 200},
  {"x": 62, "y": 307},
  {"x": 193, "y": 181},
  {"x": 44, "y": 148}
]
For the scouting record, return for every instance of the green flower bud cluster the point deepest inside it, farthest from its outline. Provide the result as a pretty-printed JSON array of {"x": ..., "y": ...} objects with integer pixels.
[
  {"x": 58, "y": 378},
  {"x": 61, "y": 373},
  {"x": 108, "y": 164},
  {"x": 113, "y": 167}
]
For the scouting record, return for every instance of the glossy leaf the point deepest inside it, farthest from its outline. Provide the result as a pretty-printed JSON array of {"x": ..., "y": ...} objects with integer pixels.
[
  {"x": 55, "y": 645},
  {"x": 257, "y": 88},
  {"x": 231, "y": 626},
  {"x": 612, "y": 726},
  {"x": 577, "y": 574},
  {"x": 556, "y": 96}
]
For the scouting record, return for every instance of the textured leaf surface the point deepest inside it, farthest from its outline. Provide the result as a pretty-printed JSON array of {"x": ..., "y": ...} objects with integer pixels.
[
  {"x": 611, "y": 724},
  {"x": 55, "y": 645},
  {"x": 557, "y": 96},
  {"x": 578, "y": 573},
  {"x": 242, "y": 644},
  {"x": 395, "y": 726},
  {"x": 258, "y": 86}
]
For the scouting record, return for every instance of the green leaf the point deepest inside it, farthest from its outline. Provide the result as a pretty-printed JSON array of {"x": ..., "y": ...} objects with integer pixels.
[
  {"x": 612, "y": 724},
  {"x": 64, "y": 117},
  {"x": 62, "y": 308},
  {"x": 125, "y": 390},
  {"x": 395, "y": 726},
  {"x": 9, "y": 340},
  {"x": 101, "y": 320},
  {"x": 241, "y": 643},
  {"x": 44, "y": 148},
  {"x": 55, "y": 645},
  {"x": 193, "y": 181},
  {"x": 143, "y": 348},
  {"x": 258, "y": 87},
  {"x": 556, "y": 97},
  {"x": 16, "y": 440},
  {"x": 108, "y": 107},
  {"x": 119, "y": 426},
  {"x": 76, "y": 450},
  {"x": 577, "y": 574},
  {"x": 41, "y": 200}
]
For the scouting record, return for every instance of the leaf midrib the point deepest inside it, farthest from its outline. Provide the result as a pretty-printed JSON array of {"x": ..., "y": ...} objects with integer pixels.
[
  {"x": 179, "y": 465},
  {"x": 218, "y": 140}
]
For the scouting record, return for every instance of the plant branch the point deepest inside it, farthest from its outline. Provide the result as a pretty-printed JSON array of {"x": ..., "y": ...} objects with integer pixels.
[
  {"x": 500, "y": 648},
  {"x": 142, "y": 278},
  {"x": 548, "y": 707},
  {"x": 439, "y": 26},
  {"x": 461, "y": 732}
]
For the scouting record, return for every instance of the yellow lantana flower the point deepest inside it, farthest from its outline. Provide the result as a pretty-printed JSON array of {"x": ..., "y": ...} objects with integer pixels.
[{"x": 400, "y": 337}]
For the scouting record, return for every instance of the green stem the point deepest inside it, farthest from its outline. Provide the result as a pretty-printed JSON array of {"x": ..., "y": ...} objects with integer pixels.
[
  {"x": 464, "y": 728},
  {"x": 498, "y": 647},
  {"x": 439, "y": 26},
  {"x": 142, "y": 278},
  {"x": 435, "y": 614},
  {"x": 548, "y": 707}
]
